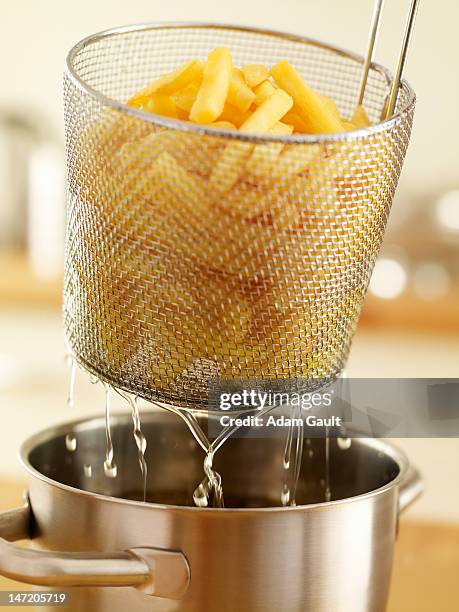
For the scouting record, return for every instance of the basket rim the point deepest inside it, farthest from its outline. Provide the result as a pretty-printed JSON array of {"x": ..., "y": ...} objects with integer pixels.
[{"x": 183, "y": 126}]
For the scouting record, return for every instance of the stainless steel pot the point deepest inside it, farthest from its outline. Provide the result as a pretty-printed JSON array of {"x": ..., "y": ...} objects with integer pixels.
[{"x": 251, "y": 556}]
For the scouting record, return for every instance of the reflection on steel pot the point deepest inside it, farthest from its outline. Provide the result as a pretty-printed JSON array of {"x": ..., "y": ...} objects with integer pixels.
[{"x": 251, "y": 556}]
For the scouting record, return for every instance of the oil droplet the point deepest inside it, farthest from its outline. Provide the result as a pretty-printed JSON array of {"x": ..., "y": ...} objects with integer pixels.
[
  {"x": 327, "y": 485},
  {"x": 71, "y": 395},
  {"x": 71, "y": 443},
  {"x": 298, "y": 456},
  {"x": 288, "y": 447},
  {"x": 110, "y": 469},
  {"x": 344, "y": 443},
  {"x": 210, "y": 490},
  {"x": 141, "y": 442},
  {"x": 214, "y": 479},
  {"x": 310, "y": 453},
  {"x": 87, "y": 470},
  {"x": 139, "y": 438},
  {"x": 285, "y": 495},
  {"x": 201, "y": 494},
  {"x": 218, "y": 491},
  {"x": 212, "y": 483},
  {"x": 194, "y": 427}
]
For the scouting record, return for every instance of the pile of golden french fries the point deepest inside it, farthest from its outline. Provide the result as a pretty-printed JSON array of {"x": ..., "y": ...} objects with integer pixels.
[
  {"x": 251, "y": 99},
  {"x": 235, "y": 229}
]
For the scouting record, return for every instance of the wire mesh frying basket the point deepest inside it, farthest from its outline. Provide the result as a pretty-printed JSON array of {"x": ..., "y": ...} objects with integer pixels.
[{"x": 176, "y": 272}]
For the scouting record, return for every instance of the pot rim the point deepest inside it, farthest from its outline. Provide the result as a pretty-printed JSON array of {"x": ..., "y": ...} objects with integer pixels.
[{"x": 82, "y": 424}]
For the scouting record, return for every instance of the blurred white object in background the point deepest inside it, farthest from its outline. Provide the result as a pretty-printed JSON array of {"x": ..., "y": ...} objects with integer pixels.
[
  {"x": 7, "y": 211},
  {"x": 17, "y": 138},
  {"x": 10, "y": 372},
  {"x": 448, "y": 210},
  {"x": 431, "y": 281},
  {"x": 46, "y": 211},
  {"x": 32, "y": 190},
  {"x": 389, "y": 278}
]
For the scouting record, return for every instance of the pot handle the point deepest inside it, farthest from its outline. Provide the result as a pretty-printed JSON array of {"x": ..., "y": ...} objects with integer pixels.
[
  {"x": 410, "y": 488},
  {"x": 154, "y": 571}
]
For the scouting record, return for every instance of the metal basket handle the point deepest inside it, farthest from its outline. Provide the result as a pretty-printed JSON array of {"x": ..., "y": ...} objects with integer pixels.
[
  {"x": 391, "y": 100},
  {"x": 162, "y": 573}
]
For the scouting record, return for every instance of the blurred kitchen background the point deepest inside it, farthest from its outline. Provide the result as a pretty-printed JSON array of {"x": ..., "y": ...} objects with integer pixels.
[{"x": 410, "y": 324}]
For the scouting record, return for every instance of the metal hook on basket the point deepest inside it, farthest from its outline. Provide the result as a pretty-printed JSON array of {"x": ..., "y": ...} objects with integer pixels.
[
  {"x": 374, "y": 29},
  {"x": 391, "y": 100}
]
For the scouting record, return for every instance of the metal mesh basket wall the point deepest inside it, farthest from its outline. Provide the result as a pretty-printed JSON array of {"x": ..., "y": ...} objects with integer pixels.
[{"x": 176, "y": 272}]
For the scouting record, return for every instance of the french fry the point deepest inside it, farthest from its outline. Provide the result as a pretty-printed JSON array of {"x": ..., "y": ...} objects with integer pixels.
[
  {"x": 255, "y": 74},
  {"x": 230, "y": 166},
  {"x": 293, "y": 118},
  {"x": 213, "y": 92},
  {"x": 185, "y": 98},
  {"x": 348, "y": 126},
  {"x": 223, "y": 125},
  {"x": 309, "y": 104},
  {"x": 291, "y": 161},
  {"x": 187, "y": 191},
  {"x": 281, "y": 128},
  {"x": 233, "y": 115},
  {"x": 239, "y": 94},
  {"x": 161, "y": 104},
  {"x": 210, "y": 324},
  {"x": 282, "y": 317},
  {"x": 246, "y": 248},
  {"x": 269, "y": 113},
  {"x": 172, "y": 82},
  {"x": 295, "y": 159},
  {"x": 248, "y": 202},
  {"x": 222, "y": 216},
  {"x": 197, "y": 155},
  {"x": 331, "y": 105},
  {"x": 99, "y": 144},
  {"x": 360, "y": 118},
  {"x": 276, "y": 330},
  {"x": 181, "y": 114},
  {"x": 138, "y": 155},
  {"x": 264, "y": 155},
  {"x": 130, "y": 182},
  {"x": 251, "y": 251},
  {"x": 263, "y": 92}
]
